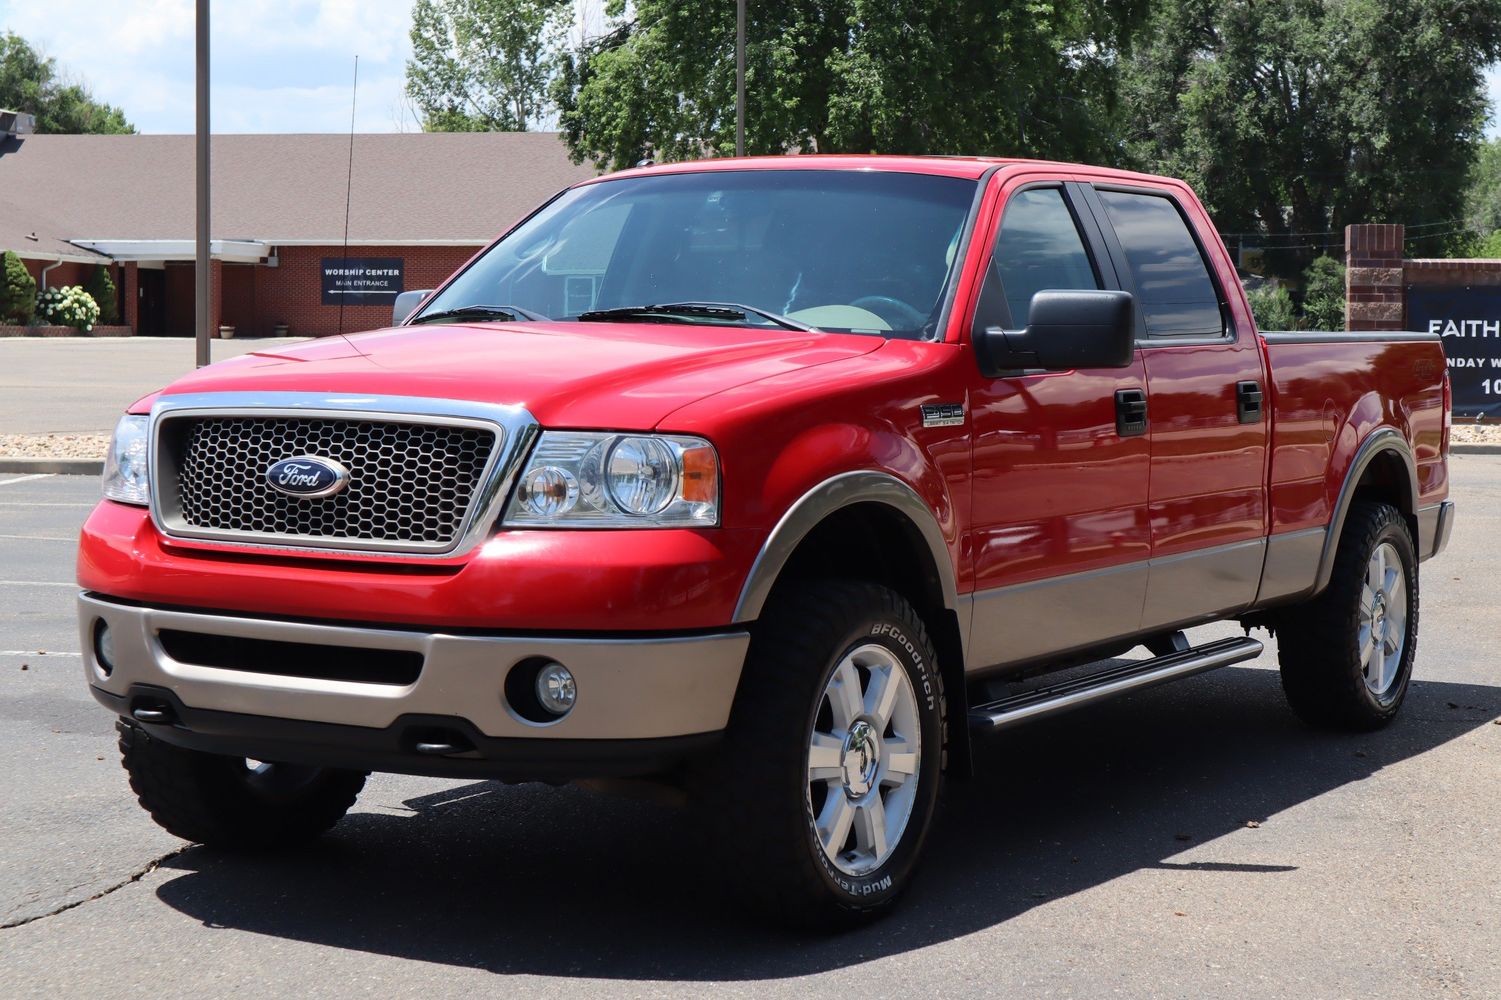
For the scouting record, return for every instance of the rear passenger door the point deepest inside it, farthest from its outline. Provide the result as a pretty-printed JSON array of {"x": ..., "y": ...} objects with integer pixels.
[{"x": 1207, "y": 423}]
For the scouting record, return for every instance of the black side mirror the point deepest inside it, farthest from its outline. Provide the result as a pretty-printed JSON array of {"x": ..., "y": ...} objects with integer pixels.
[
  {"x": 1065, "y": 329},
  {"x": 407, "y": 303}
]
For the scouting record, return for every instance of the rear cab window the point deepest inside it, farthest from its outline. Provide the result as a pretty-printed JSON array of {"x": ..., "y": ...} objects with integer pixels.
[{"x": 1175, "y": 293}]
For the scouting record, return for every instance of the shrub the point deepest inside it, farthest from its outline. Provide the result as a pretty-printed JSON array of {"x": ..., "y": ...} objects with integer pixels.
[
  {"x": 68, "y": 306},
  {"x": 102, "y": 287},
  {"x": 1324, "y": 295},
  {"x": 17, "y": 291},
  {"x": 1272, "y": 307}
]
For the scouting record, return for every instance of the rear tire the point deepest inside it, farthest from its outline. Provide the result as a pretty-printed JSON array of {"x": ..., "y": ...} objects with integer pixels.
[
  {"x": 232, "y": 802},
  {"x": 829, "y": 776},
  {"x": 1347, "y": 655}
]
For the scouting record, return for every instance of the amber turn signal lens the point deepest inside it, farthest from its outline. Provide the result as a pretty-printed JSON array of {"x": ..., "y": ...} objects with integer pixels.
[{"x": 700, "y": 475}]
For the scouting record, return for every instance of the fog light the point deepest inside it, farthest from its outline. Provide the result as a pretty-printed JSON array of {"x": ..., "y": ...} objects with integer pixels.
[
  {"x": 104, "y": 647},
  {"x": 556, "y": 690}
]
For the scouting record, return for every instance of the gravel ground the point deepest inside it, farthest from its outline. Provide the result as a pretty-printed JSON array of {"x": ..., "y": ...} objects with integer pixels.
[
  {"x": 1468, "y": 433},
  {"x": 53, "y": 445}
]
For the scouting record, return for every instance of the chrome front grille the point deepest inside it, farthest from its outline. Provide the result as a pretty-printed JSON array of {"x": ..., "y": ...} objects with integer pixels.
[
  {"x": 420, "y": 483},
  {"x": 407, "y": 482}
]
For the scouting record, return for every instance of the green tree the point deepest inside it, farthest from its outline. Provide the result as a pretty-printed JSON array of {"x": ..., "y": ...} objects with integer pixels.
[
  {"x": 1483, "y": 198},
  {"x": 102, "y": 287},
  {"x": 1297, "y": 117},
  {"x": 1324, "y": 295},
  {"x": 17, "y": 291},
  {"x": 485, "y": 65},
  {"x": 30, "y": 82},
  {"x": 890, "y": 76},
  {"x": 1272, "y": 307}
]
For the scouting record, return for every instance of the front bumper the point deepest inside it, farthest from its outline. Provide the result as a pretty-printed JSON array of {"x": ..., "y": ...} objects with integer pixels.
[{"x": 641, "y": 701}]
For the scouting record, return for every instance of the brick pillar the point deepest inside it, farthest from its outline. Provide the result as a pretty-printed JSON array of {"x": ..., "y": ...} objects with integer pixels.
[
  {"x": 215, "y": 295},
  {"x": 130, "y": 297},
  {"x": 1373, "y": 277}
]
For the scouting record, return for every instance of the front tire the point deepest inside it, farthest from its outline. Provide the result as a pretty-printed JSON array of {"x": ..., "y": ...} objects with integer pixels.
[
  {"x": 232, "y": 802},
  {"x": 830, "y": 773},
  {"x": 1347, "y": 655}
]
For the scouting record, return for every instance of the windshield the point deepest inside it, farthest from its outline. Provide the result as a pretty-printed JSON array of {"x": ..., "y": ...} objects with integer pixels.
[{"x": 839, "y": 250}]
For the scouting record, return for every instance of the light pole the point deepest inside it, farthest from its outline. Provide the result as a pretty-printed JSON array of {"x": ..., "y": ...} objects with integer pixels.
[
  {"x": 201, "y": 261},
  {"x": 739, "y": 77}
]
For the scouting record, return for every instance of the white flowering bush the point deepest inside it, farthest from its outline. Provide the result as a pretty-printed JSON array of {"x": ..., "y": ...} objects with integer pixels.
[{"x": 68, "y": 306}]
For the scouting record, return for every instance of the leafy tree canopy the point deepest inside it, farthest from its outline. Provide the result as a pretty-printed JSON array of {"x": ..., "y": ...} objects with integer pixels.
[
  {"x": 30, "y": 82},
  {"x": 484, "y": 65},
  {"x": 891, "y": 76},
  {"x": 1483, "y": 199},
  {"x": 1302, "y": 116}
]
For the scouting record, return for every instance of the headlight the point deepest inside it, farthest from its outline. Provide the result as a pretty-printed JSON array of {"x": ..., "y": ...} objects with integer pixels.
[
  {"x": 593, "y": 480},
  {"x": 127, "y": 478}
]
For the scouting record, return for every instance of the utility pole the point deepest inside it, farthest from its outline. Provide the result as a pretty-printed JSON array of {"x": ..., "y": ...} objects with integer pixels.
[
  {"x": 201, "y": 262},
  {"x": 739, "y": 77}
]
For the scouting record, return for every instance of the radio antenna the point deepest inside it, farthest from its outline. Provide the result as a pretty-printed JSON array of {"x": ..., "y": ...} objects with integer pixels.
[{"x": 349, "y": 184}]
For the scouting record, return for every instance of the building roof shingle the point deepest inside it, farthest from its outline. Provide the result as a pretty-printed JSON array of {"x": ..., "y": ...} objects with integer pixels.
[{"x": 406, "y": 188}]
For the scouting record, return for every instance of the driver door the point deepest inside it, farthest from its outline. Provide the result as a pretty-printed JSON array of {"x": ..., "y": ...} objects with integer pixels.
[{"x": 1060, "y": 535}]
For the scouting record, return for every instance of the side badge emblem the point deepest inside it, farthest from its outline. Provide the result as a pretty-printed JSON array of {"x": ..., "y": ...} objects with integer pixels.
[{"x": 942, "y": 414}]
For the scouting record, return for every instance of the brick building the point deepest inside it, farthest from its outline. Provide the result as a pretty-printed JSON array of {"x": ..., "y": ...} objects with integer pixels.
[{"x": 419, "y": 206}]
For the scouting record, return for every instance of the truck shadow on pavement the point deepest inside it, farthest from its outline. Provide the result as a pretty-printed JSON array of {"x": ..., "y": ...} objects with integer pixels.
[{"x": 557, "y": 882}]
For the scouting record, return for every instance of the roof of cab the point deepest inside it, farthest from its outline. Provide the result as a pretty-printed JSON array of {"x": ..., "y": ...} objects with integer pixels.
[{"x": 971, "y": 167}]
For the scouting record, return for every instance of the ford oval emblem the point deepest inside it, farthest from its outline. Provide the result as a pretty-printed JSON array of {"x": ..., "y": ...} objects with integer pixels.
[{"x": 307, "y": 476}]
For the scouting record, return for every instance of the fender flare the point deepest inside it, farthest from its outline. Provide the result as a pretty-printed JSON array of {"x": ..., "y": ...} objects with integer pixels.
[
  {"x": 1380, "y": 441},
  {"x": 817, "y": 504}
]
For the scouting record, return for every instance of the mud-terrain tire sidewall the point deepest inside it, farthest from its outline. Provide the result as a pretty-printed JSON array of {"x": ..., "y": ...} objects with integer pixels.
[
  {"x": 1318, "y": 643},
  {"x": 757, "y": 793},
  {"x": 914, "y": 651},
  {"x": 210, "y": 800}
]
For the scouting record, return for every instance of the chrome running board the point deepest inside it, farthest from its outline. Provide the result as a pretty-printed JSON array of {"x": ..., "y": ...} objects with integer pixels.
[{"x": 1080, "y": 691}]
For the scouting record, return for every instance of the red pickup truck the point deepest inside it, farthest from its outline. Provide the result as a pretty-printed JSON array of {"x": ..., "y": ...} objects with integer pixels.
[{"x": 767, "y": 479}]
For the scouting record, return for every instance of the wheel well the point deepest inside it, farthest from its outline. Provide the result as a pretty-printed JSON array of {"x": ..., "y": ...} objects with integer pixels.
[
  {"x": 873, "y": 541},
  {"x": 1386, "y": 480}
]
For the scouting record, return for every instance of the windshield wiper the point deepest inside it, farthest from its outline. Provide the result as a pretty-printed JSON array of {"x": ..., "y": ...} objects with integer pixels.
[
  {"x": 707, "y": 310},
  {"x": 508, "y": 314}
]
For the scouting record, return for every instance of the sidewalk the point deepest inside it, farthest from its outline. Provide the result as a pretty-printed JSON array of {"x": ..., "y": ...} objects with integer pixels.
[{"x": 79, "y": 386}]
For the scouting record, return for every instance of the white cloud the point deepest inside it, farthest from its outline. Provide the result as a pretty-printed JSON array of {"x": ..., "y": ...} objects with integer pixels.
[{"x": 277, "y": 65}]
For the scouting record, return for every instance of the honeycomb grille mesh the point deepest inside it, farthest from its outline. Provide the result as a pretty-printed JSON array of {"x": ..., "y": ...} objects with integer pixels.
[{"x": 409, "y": 484}]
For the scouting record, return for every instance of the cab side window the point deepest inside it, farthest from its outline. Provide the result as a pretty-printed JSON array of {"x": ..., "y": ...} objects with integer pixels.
[
  {"x": 1038, "y": 247},
  {"x": 1174, "y": 292}
]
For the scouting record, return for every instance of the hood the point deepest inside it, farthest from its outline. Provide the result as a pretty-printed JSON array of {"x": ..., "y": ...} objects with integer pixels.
[{"x": 625, "y": 376}]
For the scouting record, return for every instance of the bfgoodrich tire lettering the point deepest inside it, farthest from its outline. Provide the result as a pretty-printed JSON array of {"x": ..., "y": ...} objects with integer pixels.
[{"x": 792, "y": 752}]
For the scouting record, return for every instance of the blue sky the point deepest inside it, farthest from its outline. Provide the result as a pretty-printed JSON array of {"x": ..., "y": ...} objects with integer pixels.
[{"x": 278, "y": 65}]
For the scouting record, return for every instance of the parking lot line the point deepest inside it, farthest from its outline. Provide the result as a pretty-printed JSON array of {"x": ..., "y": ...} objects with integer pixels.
[
  {"x": 27, "y": 479},
  {"x": 34, "y": 583},
  {"x": 42, "y": 538},
  {"x": 28, "y": 503},
  {"x": 35, "y": 652}
]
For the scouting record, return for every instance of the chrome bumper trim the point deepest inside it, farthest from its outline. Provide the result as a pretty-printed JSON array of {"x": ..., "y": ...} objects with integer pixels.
[{"x": 628, "y": 688}]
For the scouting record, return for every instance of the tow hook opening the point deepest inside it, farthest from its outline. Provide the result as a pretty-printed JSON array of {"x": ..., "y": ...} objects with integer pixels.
[
  {"x": 438, "y": 742},
  {"x": 154, "y": 712}
]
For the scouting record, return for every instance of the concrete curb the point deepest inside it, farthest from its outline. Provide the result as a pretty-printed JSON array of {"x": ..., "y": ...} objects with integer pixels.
[
  {"x": 53, "y": 466},
  {"x": 1475, "y": 449}
]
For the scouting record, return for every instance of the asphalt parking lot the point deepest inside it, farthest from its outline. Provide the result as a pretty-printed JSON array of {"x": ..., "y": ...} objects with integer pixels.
[{"x": 1191, "y": 841}]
